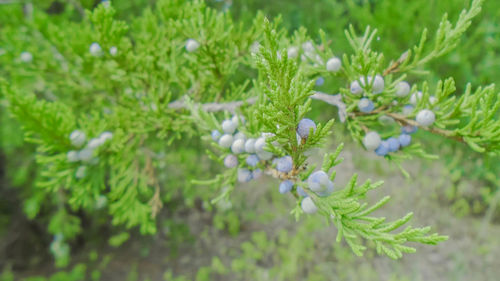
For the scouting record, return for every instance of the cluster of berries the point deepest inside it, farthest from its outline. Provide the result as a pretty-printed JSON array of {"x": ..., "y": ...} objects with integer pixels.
[
  {"x": 85, "y": 154},
  {"x": 96, "y": 50},
  {"x": 318, "y": 181},
  {"x": 373, "y": 142},
  {"x": 238, "y": 143}
]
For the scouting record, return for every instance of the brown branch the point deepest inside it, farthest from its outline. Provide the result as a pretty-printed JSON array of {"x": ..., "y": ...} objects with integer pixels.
[
  {"x": 394, "y": 67},
  {"x": 405, "y": 121}
]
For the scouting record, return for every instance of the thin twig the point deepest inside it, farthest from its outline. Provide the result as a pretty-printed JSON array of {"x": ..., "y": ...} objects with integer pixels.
[{"x": 231, "y": 106}]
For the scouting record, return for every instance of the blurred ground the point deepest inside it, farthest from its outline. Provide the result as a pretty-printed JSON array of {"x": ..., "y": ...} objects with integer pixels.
[{"x": 471, "y": 253}]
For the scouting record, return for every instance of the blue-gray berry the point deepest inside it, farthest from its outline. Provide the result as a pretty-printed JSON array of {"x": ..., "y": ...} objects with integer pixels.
[
  {"x": 305, "y": 126},
  {"x": 365, "y": 105},
  {"x": 382, "y": 149},
  {"x": 404, "y": 140},
  {"x": 320, "y": 81},
  {"x": 72, "y": 156},
  {"x": 257, "y": 173},
  {"x": 231, "y": 161},
  {"x": 77, "y": 138},
  {"x": 284, "y": 164},
  {"x": 393, "y": 144},
  {"x": 286, "y": 186},
  {"x": 244, "y": 175},
  {"x": 252, "y": 160},
  {"x": 308, "y": 206},
  {"x": 215, "y": 135},
  {"x": 301, "y": 192},
  {"x": 319, "y": 182}
]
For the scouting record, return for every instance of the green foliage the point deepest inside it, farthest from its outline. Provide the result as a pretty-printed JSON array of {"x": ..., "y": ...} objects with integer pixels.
[{"x": 158, "y": 99}]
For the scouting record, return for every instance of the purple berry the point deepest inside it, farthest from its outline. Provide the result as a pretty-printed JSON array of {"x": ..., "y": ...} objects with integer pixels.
[
  {"x": 284, "y": 164},
  {"x": 304, "y": 127},
  {"x": 252, "y": 160},
  {"x": 393, "y": 144},
  {"x": 286, "y": 186},
  {"x": 382, "y": 149},
  {"x": 215, "y": 135},
  {"x": 404, "y": 140}
]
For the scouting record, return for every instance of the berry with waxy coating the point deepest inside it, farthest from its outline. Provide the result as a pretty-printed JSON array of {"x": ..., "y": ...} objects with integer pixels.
[
  {"x": 402, "y": 89},
  {"x": 231, "y": 161},
  {"x": 319, "y": 182},
  {"x": 240, "y": 136},
  {"x": 215, "y": 135},
  {"x": 432, "y": 100},
  {"x": 238, "y": 120},
  {"x": 284, "y": 164},
  {"x": 320, "y": 81},
  {"x": 250, "y": 145},
  {"x": 252, "y": 160},
  {"x": 425, "y": 117},
  {"x": 301, "y": 192},
  {"x": 86, "y": 154},
  {"x": 26, "y": 57},
  {"x": 226, "y": 141},
  {"x": 264, "y": 155},
  {"x": 382, "y": 149},
  {"x": 72, "y": 156},
  {"x": 378, "y": 84},
  {"x": 260, "y": 144},
  {"x": 113, "y": 51},
  {"x": 94, "y": 143},
  {"x": 77, "y": 138},
  {"x": 105, "y": 136},
  {"x": 81, "y": 172},
  {"x": 305, "y": 126},
  {"x": 293, "y": 52},
  {"x": 371, "y": 141},
  {"x": 257, "y": 173},
  {"x": 238, "y": 146},
  {"x": 228, "y": 126},
  {"x": 404, "y": 140},
  {"x": 192, "y": 45},
  {"x": 308, "y": 206},
  {"x": 365, "y": 105},
  {"x": 308, "y": 47},
  {"x": 393, "y": 144},
  {"x": 244, "y": 175},
  {"x": 355, "y": 88},
  {"x": 327, "y": 191},
  {"x": 95, "y": 49},
  {"x": 286, "y": 186},
  {"x": 408, "y": 109},
  {"x": 333, "y": 64},
  {"x": 415, "y": 97}
]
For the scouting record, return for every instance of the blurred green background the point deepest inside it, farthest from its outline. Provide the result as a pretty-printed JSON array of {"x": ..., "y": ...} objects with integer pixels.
[{"x": 253, "y": 237}]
